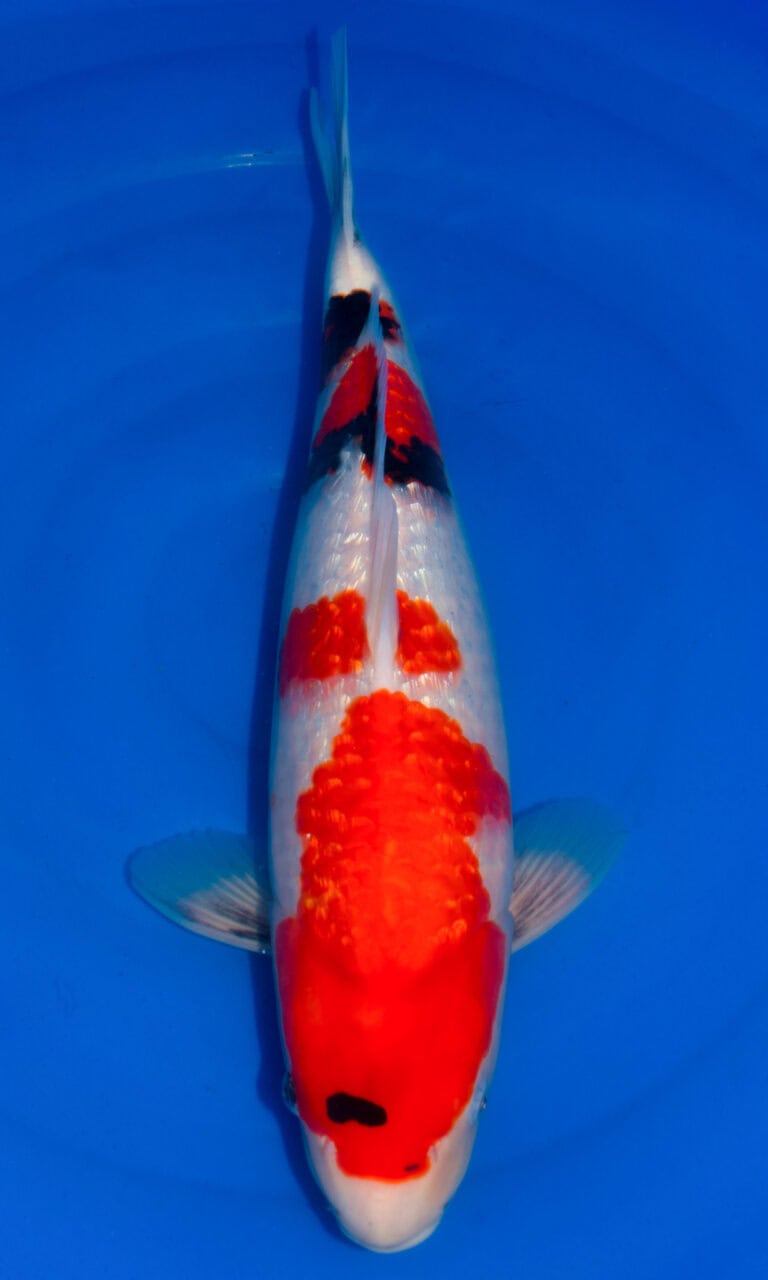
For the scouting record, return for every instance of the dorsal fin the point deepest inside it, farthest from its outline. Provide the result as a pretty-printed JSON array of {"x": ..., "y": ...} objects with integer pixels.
[{"x": 381, "y": 607}]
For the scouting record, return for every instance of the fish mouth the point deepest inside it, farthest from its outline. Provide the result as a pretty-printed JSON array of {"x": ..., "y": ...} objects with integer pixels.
[
  {"x": 386, "y": 1244},
  {"x": 386, "y": 1216}
]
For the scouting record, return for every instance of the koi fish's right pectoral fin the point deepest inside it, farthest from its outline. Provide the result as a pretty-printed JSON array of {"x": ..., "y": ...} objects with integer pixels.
[
  {"x": 562, "y": 850},
  {"x": 211, "y": 882}
]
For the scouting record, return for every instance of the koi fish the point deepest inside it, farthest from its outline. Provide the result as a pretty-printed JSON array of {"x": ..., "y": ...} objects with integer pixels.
[{"x": 393, "y": 899}]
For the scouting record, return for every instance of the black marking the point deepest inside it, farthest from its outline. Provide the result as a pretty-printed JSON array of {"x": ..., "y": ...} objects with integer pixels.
[
  {"x": 344, "y": 322},
  {"x": 390, "y": 327},
  {"x": 345, "y": 319},
  {"x": 416, "y": 461},
  {"x": 326, "y": 456},
  {"x": 403, "y": 464},
  {"x": 342, "y": 1107},
  {"x": 411, "y": 1168}
]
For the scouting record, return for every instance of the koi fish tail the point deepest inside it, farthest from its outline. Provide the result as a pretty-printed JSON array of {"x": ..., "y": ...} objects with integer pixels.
[{"x": 332, "y": 144}]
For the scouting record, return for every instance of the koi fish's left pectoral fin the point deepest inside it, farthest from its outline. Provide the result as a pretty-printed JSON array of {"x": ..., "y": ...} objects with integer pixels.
[
  {"x": 562, "y": 850},
  {"x": 211, "y": 882}
]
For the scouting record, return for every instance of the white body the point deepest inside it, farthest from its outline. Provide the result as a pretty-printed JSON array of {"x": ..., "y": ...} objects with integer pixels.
[{"x": 332, "y": 553}]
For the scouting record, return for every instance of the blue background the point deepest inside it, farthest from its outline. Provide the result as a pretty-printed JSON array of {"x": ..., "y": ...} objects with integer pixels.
[{"x": 570, "y": 200}]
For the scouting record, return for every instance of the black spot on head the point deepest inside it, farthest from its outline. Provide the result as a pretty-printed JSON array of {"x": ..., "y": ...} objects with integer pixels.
[
  {"x": 342, "y": 1107},
  {"x": 412, "y": 1168}
]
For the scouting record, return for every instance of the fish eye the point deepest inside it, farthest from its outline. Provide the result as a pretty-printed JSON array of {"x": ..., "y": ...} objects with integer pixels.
[{"x": 342, "y": 1107}]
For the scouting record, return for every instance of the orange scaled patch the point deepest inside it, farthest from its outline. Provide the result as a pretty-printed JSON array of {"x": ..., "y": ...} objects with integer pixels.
[
  {"x": 408, "y": 413},
  {"x": 325, "y": 639},
  {"x": 352, "y": 396},
  {"x": 390, "y": 972},
  {"x": 425, "y": 643}
]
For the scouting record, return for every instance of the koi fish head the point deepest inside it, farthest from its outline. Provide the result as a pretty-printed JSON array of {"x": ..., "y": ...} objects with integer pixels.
[
  {"x": 389, "y": 1216},
  {"x": 389, "y": 1069}
]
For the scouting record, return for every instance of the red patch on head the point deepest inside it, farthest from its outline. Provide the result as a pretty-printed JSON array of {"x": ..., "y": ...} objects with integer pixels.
[
  {"x": 325, "y": 639},
  {"x": 352, "y": 395},
  {"x": 390, "y": 972},
  {"x": 425, "y": 643},
  {"x": 408, "y": 413}
]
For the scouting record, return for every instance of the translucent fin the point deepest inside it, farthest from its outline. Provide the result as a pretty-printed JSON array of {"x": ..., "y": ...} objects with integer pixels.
[
  {"x": 209, "y": 882},
  {"x": 562, "y": 850},
  {"x": 333, "y": 149},
  {"x": 325, "y": 152},
  {"x": 381, "y": 609}
]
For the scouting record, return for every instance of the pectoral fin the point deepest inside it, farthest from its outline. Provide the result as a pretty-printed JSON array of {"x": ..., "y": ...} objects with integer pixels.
[
  {"x": 211, "y": 882},
  {"x": 562, "y": 850}
]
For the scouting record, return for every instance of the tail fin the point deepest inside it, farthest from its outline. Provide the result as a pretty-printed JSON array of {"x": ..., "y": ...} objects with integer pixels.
[{"x": 333, "y": 148}]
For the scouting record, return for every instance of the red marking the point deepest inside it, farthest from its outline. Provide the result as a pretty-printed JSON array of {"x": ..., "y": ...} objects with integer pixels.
[
  {"x": 425, "y": 643},
  {"x": 353, "y": 394},
  {"x": 390, "y": 972},
  {"x": 390, "y": 325},
  {"x": 407, "y": 412},
  {"x": 408, "y": 415},
  {"x": 325, "y": 639}
]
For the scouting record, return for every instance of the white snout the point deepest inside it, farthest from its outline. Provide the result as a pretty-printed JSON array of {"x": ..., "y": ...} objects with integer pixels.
[{"x": 389, "y": 1216}]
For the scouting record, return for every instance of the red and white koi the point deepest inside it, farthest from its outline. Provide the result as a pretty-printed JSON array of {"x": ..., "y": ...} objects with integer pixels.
[{"x": 392, "y": 910}]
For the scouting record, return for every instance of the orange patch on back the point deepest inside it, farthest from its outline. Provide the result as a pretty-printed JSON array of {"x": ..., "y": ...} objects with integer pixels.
[
  {"x": 408, "y": 414},
  {"x": 387, "y": 873},
  {"x": 326, "y": 639},
  {"x": 425, "y": 643},
  {"x": 352, "y": 396},
  {"x": 390, "y": 972}
]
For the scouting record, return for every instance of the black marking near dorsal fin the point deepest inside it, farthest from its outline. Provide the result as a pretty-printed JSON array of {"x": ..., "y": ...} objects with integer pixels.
[
  {"x": 345, "y": 319},
  {"x": 353, "y": 387},
  {"x": 381, "y": 603}
]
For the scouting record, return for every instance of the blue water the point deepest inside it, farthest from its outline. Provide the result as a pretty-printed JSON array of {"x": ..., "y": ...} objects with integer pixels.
[{"x": 571, "y": 203}]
